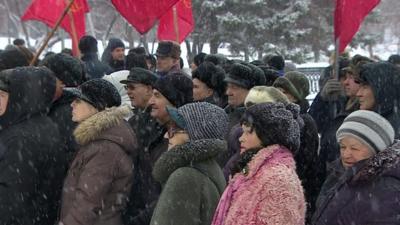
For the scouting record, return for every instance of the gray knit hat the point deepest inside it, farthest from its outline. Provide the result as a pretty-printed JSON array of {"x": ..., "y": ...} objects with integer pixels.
[
  {"x": 202, "y": 120},
  {"x": 369, "y": 127}
]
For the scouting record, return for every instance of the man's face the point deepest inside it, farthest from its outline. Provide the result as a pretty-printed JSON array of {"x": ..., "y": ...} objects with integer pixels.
[
  {"x": 236, "y": 94},
  {"x": 3, "y": 102},
  {"x": 118, "y": 54},
  {"x": 366, "y": 97},
  {"x": 139, "y": 94},
  {"x": 351, "y": 85},
  {"x": 159, "y": 105},
  {"x": 165, "y": 63},
  {"x": 200, "y": 90}
]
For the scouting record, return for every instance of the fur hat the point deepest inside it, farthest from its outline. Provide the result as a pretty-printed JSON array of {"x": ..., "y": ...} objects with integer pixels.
[
  {"x": 246, "y": 76},
  {"x": 213, "y": 76},
  {"x": 199, "y": 58},
  {"x": 369, "y": 128},
  {"x": 276, "y": 62},
  {"x": 168, "y": 49},
  {"x": 66, "y": 68},
  {"x": 275, "y": 123},
  {"x": 100, "y": 93},
  {"x": 12, "y": 58},
  {"x": 202, "y": 120},
  {"x": 88, "y": 44},
  {"x": 296, "y": 83},
  {"x": 176, "y": 87},
  {"x": 262, "y": 94}
]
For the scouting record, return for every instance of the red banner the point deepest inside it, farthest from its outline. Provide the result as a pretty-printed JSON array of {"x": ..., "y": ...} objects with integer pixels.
[
  {"x": 349, "y": 15},
  {"x": 142, "y": 14},
  {"x": 49, "y": 11},
  {"x": 176, "y": 26}
]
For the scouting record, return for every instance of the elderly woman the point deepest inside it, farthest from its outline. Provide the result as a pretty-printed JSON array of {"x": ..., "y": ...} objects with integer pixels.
[
  {"x": 100, "y": 177},
  {"x": 368, "y": 190},
  {"x": 192, "y": 180},
  {"x": 265, "y": 188}
]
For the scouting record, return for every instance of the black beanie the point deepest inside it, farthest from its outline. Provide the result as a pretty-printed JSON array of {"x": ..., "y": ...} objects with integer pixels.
[
  {"x": 213, "y": 76},
  {"x": 88, "y": 44},
  {"x": 176, "y": 87},
  {"x": 275, "y": 123},
  {"x": 277, "y": 62},
  {"x": 115, "y": 43},
  {"x": 245, "y": 75},
  {"x": 99, "y": 93},
  {"x": 66, "y": 68}
]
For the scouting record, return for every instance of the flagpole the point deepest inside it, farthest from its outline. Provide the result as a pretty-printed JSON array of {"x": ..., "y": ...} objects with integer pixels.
[
  {"x": 176, "y": 26},
  {"x": 336, "y": 59},
  {"x": 50, "y": 35},
  {"x": 74, "y": 34}
]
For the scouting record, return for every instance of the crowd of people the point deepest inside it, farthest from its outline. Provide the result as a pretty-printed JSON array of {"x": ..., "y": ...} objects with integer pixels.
[{"x": 135, "y": 140}]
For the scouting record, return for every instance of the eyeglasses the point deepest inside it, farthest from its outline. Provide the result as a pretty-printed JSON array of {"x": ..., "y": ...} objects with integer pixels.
[{"x": 175, "y": 130}]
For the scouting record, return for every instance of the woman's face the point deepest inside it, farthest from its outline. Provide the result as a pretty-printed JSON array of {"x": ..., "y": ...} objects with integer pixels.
[
  {"x": 176, "y": 136},
  {"x": 353, "y": 151},
  {"x": 249, "y": 139},
  {"x": 82, "y": 110}
]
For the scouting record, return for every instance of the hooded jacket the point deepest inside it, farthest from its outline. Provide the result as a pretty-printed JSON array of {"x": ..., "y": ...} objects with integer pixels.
[
  {"x": 367, "y": 193},
  {"x": 269, "y": 192},
  {"x": 100, "y": 177},
  {"x": 192, "y": 183},
  {"x": 384, "y": 80},
  {"x": 31, "y": 163}
]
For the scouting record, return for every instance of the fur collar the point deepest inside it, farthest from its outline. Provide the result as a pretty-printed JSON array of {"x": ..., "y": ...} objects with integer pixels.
[
  {"x": 185, "y": 155},
  {"x": 381, "y": 163},
  {"x": 93, "y": 127}
]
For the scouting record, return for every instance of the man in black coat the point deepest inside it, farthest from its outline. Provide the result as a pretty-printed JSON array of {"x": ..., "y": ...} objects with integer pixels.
[
  {"x": 93, "y": 67},
  {"x": 150, "y": 125},
  {"x": 69, "y": 72},
  {"x": 31, "y": 166}
]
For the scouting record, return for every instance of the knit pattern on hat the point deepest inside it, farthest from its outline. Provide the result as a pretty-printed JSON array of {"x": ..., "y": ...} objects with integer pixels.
[
  {"x": 370, "y": 127},
  {"x": 275, "y": 123},
  {"x": 261, "y": 94},
  {"x": 177, "y": 88},
  {"x": 100, "y": 93},
  {"x": 204, "y": 120}
]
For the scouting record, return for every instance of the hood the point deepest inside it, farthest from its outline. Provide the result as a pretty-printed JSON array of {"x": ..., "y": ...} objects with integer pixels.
[
  {"x": 115, "y": 79},
  {"x": 108, "y": 124},
  {"x": 384, "y": 80},
  {"x": 31, "y": 93},
  {"x": 185, "y": 155},
  {"x": 384, "y": 163}
]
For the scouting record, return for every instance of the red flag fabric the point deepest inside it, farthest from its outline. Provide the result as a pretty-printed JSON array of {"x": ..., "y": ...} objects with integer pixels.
[
  {"x": 49, "y": 11},
  {"x": 167, "y": 29},
  {"x": 349, "y": 15},
  {"x": 142, "y": 14}
]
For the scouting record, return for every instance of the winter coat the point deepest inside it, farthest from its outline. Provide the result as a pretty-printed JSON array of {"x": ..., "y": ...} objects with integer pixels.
[
  {"x": 192, "y": 183},
  {"x": 93, "y": 67},
  {"x": 31, "y": 159},
  {"x": 267, "y": 192},
  {"x": 61, "y": 114},
  {"x": 307, "y": 160},
  {"x": 100, "y": 177},
  {"x": 146, "y": 189},
  {"x": 367, "y": 193}
]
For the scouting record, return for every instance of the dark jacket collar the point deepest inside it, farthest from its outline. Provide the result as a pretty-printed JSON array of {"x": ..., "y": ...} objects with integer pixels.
[{"x": 186, "y": 155}]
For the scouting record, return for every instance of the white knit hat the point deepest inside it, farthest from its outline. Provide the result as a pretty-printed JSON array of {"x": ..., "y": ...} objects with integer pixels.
[{"x": 369, "y": 127}]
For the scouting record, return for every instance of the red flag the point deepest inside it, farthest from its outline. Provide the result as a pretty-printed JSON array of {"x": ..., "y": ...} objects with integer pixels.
[
  {"x": 349, "y": 15},
  {"x": 142, "y": 14},
  {"x": 169, "y": 29},
  {"x": 49, "y": 11}
]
